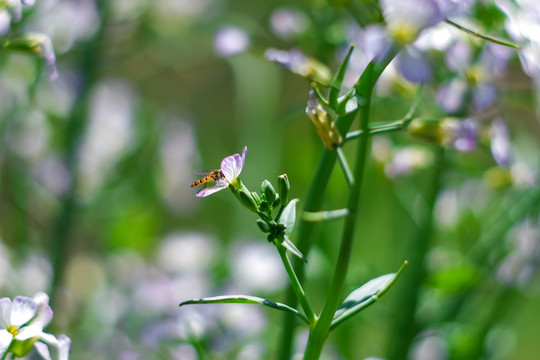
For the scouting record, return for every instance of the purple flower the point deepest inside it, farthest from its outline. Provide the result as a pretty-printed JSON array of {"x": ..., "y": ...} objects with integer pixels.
[
  {"x": 460, "y": 135},
  {"x": 474, "y": 76},
  {"x": 231, "y": 167}
]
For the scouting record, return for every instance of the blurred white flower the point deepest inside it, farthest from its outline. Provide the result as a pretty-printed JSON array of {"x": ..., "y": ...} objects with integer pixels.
[
  {"x": 5, "y": 20},
  {"x": 109, "y": 132},
  {"x": 408, "y": 160},
  {"x": 230, "y": 40},
  {"x": 242, "y": 319},
  {"x": 177, "y": 153},
  {"x": 67, "y": 22},
  {"x": 256, "y": 266},
  {"x": 187, "y": 252},
  {"x": 53, "y": 175},
  {"x": 429, "y": 348}
]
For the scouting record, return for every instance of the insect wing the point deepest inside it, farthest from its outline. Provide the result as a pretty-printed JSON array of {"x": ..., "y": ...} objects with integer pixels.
[{"x": 202, "y": 172}]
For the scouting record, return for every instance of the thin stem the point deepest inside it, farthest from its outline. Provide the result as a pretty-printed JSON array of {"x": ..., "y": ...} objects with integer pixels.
[
  {"x": 345, "y": 166},
  {"x": 295, "y": 284},
  {"x": 482, "y": 36},
  {"x": 390, "y": 126}
]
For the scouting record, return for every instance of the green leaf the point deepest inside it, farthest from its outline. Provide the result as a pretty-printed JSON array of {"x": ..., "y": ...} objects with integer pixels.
[
  {"x": 244, "y": 299},
  {"x": 289, "y": 245},
  {"x": 338, "y": 79},
  {"x": 288, "y": 217},
  {"x": 363, "y": 297}
]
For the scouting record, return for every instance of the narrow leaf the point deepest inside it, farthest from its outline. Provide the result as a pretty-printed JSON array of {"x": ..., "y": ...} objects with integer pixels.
[
  {"x": 338, "y": 79},
  {"x": 364, "y": 296},
  {"x": 288, "y": 216},
  {"x": 244, "y": 299},
  {"x": 289, "y": 245}
]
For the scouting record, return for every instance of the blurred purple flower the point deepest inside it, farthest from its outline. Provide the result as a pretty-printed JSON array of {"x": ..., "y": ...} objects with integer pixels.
[
  {"x": 501, "y": 147},
  {"x": 460, "y": 135},
  {"x": 472, "y": 75},
  {"x": 287, "y": 22},
  {"x": 231, "y": 167},
  {"x": 413, "y": 65},
  {"x": 230, "y": 40}
]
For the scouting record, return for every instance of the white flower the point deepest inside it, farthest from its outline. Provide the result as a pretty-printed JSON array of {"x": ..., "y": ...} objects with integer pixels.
[{"x": 23, "y": 319}]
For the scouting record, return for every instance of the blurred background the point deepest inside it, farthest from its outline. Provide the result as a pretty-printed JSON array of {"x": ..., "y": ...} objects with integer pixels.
[{"x": 97, "y": 211}]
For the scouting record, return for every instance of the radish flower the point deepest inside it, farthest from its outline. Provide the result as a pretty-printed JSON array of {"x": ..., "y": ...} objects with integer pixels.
[{"x": 230, "y": 169}]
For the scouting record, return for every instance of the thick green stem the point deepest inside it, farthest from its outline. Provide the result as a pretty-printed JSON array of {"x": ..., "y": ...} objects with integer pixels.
[
  {"x": 304, "y": 231},
  {"x": 318, "y": 336}
]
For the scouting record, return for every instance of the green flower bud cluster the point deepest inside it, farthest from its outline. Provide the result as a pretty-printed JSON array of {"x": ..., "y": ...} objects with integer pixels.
[
  {"x": 274, "y": 229},
  {"x": 280, "y": 226}
]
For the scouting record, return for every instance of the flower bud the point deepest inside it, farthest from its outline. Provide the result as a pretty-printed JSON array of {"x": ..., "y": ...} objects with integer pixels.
[
  {"x": 247, "y": 200},
  {"x": 425, "y": 129},
  {"x": 283, "y": 188},
  {"x": 268, "y": 190},
  {"x": 263, "y": 225}
]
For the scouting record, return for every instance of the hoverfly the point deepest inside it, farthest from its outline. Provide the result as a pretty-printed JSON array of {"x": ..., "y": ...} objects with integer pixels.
[{"x": 214, "y": 175}]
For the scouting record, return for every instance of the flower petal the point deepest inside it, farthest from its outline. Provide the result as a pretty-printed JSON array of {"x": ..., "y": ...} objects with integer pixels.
[
  {"x": 5, "y": 341},
  {"x": 43, "y": 350},
  {"x": 44, "y": 316},
  {"x": 64, "y": 347},
  {"x": 232, "y": 165},
  {"x": 5, "y": 311},
  {"x": 210, "y": 190},
  {"x": 30, "y": 331},
  {"x": 413, "y": 65},
  {"x": 23, "y": 309}
]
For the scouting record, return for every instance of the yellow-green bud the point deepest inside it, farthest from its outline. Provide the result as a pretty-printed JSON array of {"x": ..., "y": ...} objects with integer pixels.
[
  {"x": 324, "y": 125},
  {"x": 247, "y": 200},
  {"x": 425, "y": 129},
  {"x": 283, "y": 189}
]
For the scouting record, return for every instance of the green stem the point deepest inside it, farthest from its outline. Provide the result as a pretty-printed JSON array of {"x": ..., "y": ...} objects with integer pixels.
[
  {"x": 314, "y": 200},
  {"x": 304, "y": 233},
  {"x": 295, "y": 284},
  {"x": 318, "y": 336},
  {"x": 405, "y": 327},
  {"x": 345, "y": 166},
  {"x": 482, "y": 36}
]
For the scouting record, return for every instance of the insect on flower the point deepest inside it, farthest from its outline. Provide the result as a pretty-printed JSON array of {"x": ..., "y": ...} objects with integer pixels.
[
  {"x": 214, "y": 175},
  {"x": 227, "y": 174}
]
